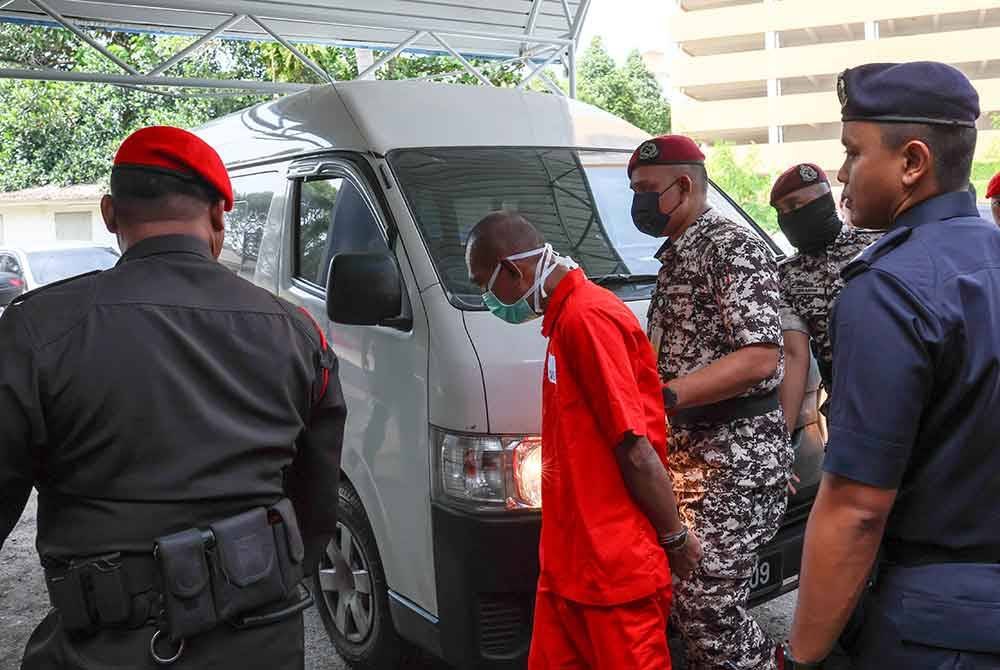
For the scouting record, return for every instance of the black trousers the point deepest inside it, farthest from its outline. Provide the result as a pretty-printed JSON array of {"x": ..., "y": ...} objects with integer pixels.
[{"x": 280, "y": 646}]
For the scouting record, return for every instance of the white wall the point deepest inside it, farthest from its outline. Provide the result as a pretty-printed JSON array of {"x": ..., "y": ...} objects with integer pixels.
[{"x": 36, "y": 222}]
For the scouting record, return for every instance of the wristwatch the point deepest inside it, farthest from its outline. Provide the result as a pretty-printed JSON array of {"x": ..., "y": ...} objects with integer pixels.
[
  {"x": 669, "y": 398},
  {"x": 786, "y": 661}
]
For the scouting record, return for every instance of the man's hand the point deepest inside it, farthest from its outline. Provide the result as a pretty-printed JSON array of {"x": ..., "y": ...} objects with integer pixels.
[
  {"x": 793, "y": 479},
  {"x": 686, "y": 559}
]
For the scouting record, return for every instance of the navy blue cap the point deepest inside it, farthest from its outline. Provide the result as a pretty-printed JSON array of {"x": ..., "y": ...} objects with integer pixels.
[{"x": 923, "y": 92}]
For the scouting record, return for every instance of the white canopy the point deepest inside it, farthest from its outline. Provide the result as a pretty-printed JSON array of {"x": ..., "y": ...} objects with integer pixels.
[{"x": 534, "y": 32}]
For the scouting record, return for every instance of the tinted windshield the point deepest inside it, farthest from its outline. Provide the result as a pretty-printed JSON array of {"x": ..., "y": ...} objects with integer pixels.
[
  {"x": 58, "y": 264},
  {"x": 580, "y": 200}
]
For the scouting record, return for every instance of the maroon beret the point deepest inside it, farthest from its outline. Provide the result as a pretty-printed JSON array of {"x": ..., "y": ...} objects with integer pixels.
[
  {"x": 796, "y": 177},
  {"x": 666, "y": 150},
  {"x": 178, "y": 152}
]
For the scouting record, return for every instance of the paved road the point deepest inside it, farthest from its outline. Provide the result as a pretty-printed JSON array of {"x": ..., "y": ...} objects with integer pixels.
[{"x": 23, "y": 603}]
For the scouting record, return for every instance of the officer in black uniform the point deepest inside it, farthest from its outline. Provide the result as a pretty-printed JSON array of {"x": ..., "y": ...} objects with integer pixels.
[
  {"x": 167, "y": 402},
  {"x": 912, "y": 464}
]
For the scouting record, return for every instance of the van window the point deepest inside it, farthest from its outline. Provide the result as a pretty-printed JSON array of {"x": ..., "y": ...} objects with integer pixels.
[
  {"x": 8, "y": 263},
  {"x": 334, "y": 217},
  {"x": 252, "y": 198},
  {"x": 580, "y": 200}
]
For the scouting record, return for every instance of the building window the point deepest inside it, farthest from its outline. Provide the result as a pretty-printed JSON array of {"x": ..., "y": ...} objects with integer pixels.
[{"x": 75, "y": 226}]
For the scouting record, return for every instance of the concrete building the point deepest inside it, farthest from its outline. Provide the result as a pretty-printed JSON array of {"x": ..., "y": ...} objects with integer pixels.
[
  {"x": 761, "y": 74},
  {"x": 53, "y": 213}
]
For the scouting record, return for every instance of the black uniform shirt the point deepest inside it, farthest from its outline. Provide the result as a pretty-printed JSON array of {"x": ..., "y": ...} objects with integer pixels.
[
  {"x": 917, "y": 373},
  {"x": 159, "y": 395}
]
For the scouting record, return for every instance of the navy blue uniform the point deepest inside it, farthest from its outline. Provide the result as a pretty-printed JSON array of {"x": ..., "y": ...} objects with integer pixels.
[{"x": 917, "y": 368}]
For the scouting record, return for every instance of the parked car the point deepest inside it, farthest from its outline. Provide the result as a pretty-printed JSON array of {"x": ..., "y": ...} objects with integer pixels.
[
  {"x": 38, "y": 264},
  {"x": 11, "y": 286},
  {"x": 355, "y": 201}
]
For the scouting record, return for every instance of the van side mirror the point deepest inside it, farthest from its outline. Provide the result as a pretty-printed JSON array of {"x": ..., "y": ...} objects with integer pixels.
[{"x": 366, "y": 289}]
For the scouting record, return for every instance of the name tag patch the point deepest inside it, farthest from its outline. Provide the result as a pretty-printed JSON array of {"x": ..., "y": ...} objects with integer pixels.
[{"x": 550, "y": 367}]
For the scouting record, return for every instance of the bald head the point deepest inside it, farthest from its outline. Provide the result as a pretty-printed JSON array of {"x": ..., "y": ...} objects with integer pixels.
[{"x": 497, "y": 236}]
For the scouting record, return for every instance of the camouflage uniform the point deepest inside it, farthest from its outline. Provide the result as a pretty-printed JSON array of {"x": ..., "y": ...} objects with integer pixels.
[
  {"x": 718, "y": 292},
  {"x": 810, "y": 283}
]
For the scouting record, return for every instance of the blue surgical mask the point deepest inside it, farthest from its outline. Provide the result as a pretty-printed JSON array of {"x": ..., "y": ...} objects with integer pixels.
[
  {"x": 646, "y": 214},
  {"x": 523, "y": 311}
]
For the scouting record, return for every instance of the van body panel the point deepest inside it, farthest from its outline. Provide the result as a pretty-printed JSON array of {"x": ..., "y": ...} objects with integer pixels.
[
  {"x": 456, "y": 393},
  {"x": 406, "y": 114},
  {"x": 308, "y": 122}
]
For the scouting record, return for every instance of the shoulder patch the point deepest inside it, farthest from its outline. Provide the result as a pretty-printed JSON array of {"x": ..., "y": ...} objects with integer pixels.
[
  {"x": 24, "y": 297},
  {"x": 863, "y": 261}
]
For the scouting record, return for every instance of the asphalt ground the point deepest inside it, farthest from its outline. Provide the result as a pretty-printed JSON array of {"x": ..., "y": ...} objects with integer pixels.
[{"x": 24, "y": 602}]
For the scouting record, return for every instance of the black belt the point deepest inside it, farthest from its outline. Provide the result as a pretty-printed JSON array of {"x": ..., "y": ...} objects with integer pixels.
[
  {"x": 911, "y": 554},
  {"x": 727, "y": 410}
]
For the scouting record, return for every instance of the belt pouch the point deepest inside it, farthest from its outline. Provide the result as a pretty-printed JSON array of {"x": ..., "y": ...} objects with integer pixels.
[
  {"x": 66, "y": 594},
  {"x": 246, "y": 574},
  {"x": 111, "y": 596},
  {"x": 288, "y": 542},
  {"x": 186, "y": 578}
]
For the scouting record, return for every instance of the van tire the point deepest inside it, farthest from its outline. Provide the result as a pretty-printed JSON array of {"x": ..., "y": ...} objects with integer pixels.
[{"x": 381, "y": 648}]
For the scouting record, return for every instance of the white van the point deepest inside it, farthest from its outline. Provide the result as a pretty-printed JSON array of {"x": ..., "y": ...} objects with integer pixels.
[{"x": 355, "y": 201}]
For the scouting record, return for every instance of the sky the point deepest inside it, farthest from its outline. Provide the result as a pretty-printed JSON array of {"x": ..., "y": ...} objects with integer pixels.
[{"x": 627, "y": 25}]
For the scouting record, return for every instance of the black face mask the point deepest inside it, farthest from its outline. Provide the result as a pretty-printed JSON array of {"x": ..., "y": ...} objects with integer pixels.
[
  {"x": 646, "y": 214},
  {"x": 812, "y": 227}
]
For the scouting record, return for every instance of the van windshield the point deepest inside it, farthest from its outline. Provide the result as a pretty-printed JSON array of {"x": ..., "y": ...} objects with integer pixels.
[{"x": 580, "y": 200}]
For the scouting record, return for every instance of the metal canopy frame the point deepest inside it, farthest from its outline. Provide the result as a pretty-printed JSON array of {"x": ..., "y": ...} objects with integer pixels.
[{"x": 534, "y": 33}]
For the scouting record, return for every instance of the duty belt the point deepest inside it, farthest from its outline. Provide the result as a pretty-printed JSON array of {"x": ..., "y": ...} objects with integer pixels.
[
  {"x": 245, "y": 571},
  {"x": 726, "y": 410},
  {"x": 910, "y": 554}
]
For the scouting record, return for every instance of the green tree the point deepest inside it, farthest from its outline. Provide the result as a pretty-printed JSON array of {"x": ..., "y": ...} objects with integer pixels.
[
  {"x": 630, "y": 91},
  {"x": 744, "y": 182}
]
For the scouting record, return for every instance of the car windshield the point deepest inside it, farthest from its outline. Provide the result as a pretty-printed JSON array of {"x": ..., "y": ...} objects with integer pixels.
[
  {"x": 58, "y": 264},
  {"x": 580, "y": 200}
]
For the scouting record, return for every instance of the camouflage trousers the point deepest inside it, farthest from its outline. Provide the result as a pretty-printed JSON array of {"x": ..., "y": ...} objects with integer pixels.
[{"x": 709, "y": 608}]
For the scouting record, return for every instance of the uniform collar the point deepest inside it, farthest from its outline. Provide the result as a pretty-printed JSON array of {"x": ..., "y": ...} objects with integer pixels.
[
  {"x": 167, "y": 244},
  {"x": 573, "y": 280},
  {"x": 939, "y": 208},
  {"x": 691, "y": 233}
]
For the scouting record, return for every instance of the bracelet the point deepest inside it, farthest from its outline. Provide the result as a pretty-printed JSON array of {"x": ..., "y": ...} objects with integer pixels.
[{"x": 674, "y": 541}]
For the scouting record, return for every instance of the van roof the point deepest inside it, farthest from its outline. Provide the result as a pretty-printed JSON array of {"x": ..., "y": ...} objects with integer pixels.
[{"x": 380, "y": 116}]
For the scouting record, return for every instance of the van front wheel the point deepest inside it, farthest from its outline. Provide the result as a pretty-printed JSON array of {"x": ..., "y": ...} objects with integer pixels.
[{"x": 354, "y": 606}]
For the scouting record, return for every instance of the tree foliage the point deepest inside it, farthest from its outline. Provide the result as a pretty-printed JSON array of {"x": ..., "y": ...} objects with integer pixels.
[
  {"x": 744, "y": 182},
  {"x": 629, "y": 91}
]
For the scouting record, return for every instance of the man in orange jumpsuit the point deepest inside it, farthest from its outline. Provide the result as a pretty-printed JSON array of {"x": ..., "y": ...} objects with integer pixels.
[{"x": 609, "y": 520}]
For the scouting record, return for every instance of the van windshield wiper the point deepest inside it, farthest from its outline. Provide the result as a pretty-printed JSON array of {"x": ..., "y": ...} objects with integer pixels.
[{"x": 623, "y": 279}]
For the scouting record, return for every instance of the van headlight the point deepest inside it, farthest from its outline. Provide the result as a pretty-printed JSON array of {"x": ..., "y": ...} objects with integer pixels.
[{"x": 487, "y": 472}]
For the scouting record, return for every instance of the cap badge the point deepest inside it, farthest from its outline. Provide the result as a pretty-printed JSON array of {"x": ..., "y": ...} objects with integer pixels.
[
  {"x": 842, "y": 88},
  {"x": 807, "y": 173},
  {"x": 649, "y": 151}
]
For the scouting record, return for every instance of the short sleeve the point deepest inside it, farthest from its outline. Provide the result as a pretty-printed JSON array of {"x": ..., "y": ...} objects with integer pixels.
[
  {"x": 744, "y": 278},
  {"x": 883, "y": 375},
  {"x": 598, "y": 352},
  {"x": 789, "y": 316}
]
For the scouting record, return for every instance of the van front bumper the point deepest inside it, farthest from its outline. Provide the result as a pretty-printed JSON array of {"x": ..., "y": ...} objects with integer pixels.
[{"x": 486, "y": 574}]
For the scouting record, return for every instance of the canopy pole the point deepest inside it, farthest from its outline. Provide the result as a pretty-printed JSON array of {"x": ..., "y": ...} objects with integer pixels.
[
  {"x": 309, "y": 63},
  {"x": 76, "y": 30},
  {"x": 197, "y": 45},
  {"x": 400, "y": 48},
  {"x": 47, "y": 74},
  {"x": 461, "y": 59}
]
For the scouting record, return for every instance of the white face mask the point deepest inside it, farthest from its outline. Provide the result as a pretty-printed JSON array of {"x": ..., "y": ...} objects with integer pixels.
[{"x": 522, "y": 311}]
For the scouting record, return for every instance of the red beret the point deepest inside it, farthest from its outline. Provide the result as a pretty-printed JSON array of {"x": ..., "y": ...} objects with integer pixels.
[
  {"x": 666, "y": 150},
  {"x": 796, "y": 177},
  {"x": 993, "y": 190},
  {"x": 178, "y": 152}
]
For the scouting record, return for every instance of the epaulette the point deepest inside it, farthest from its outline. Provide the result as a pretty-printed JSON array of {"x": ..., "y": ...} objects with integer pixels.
[
  {"x": 41, "y": 289},
  {"x": 864, "y": 260},
  {"x": 788, "y": 259}
]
